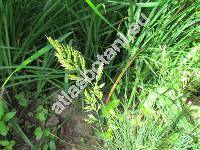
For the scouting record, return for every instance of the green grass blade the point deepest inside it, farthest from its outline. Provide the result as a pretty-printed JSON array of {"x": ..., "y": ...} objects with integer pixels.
[
  {"x": 22, "y": 134},
  {"x": 33, "y": 57},
  {"x": 149, "y": 4},
  {"x": 99, "y": 14}
]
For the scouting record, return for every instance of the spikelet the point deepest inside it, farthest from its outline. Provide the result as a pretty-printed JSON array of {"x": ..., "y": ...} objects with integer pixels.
[{"x": 69, "y": 58}]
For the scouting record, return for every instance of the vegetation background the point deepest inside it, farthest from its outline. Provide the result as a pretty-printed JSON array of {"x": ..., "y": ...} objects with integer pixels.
[{"x": 154, "y": 85}]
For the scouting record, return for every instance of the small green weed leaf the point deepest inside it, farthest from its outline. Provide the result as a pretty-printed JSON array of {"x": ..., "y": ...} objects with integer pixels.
[
  {"x": 41, "y": 113},
  {"x": 104, "y": 111},
  {"x": 1, "y": 110},
  {"x": 45, "y": 147},
  {"x": 113, "y": 104},
  {"x": 52, "y": 145},
  {"x": 3, "y": 128},
  {"x": 38, "y": 133},
  {"x": 22, "y": 100},
  {"x": 4, "y": 143},
  {"x": 41, "y": 116},
  {"x": 9, "y": 116},
  {"x": 47, "y": 132},
  {"x": 108, "y": 134}
]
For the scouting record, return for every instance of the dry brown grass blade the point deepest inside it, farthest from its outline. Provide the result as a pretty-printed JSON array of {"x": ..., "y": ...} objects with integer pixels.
[{"x": 121, "y": 75}]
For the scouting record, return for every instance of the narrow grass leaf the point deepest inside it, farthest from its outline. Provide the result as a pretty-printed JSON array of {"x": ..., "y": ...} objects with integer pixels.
[
  {"x": 99, "y": 14},
  {"x": 33, "y": 57}
]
